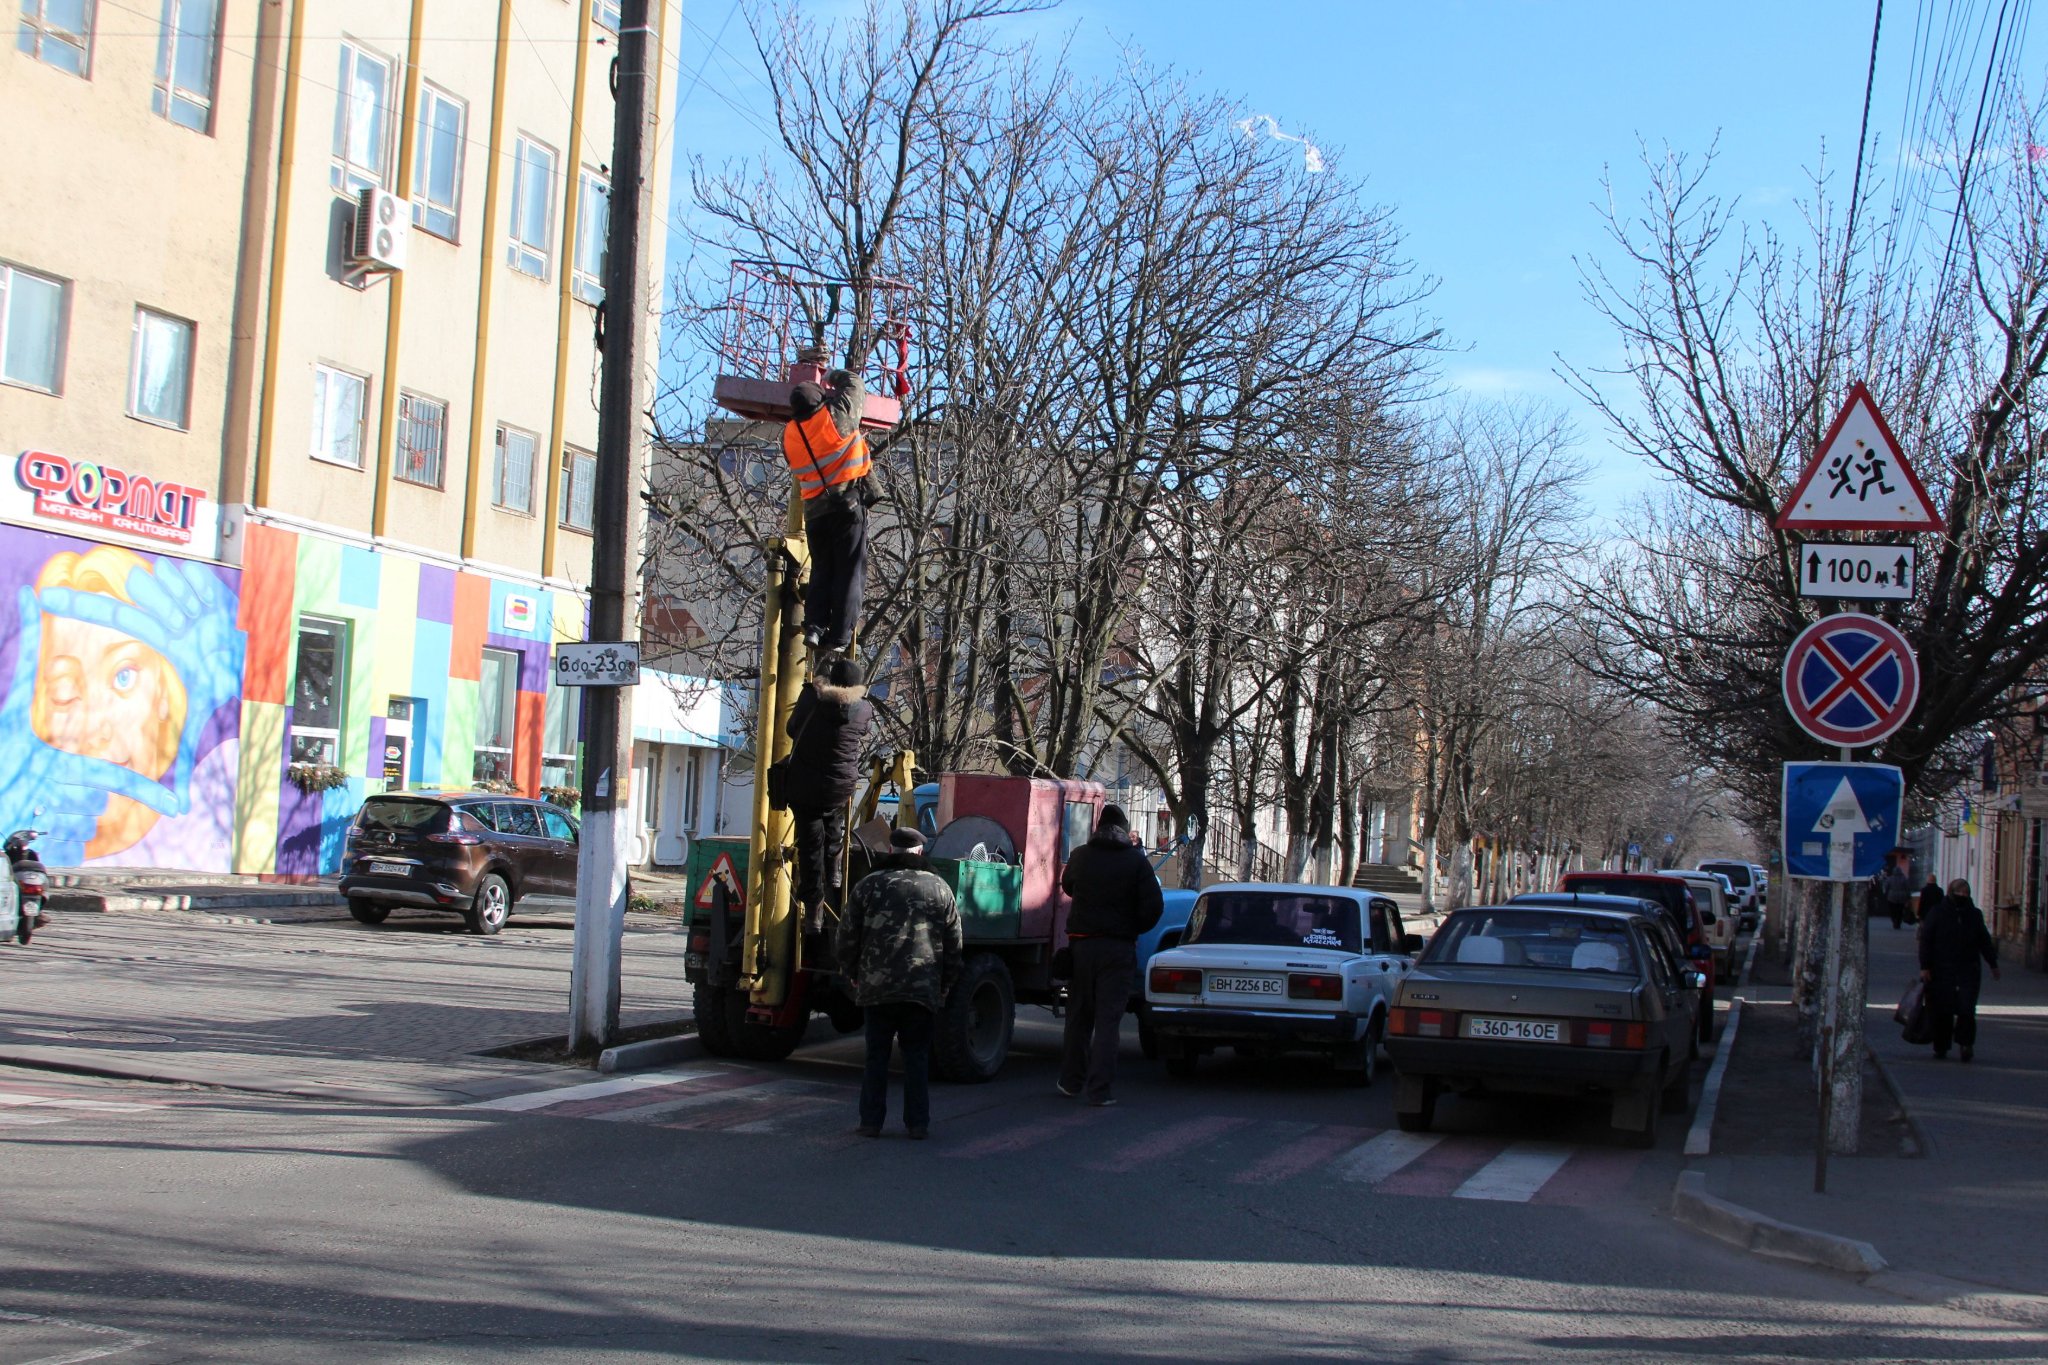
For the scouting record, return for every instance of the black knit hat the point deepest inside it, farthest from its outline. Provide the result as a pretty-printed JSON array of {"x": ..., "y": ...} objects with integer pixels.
[
  {"x": 1112, "y": 817},
  {"x": 805, "y": 399},
  {"x": 905, "y": 839},
  {"x": 843, "y": 672}
]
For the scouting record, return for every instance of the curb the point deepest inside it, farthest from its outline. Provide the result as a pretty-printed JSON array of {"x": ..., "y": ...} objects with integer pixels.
[
  {"x": 687, "y": 1047},
  {"x": 1699, "y": 1139},
  {"x": 1962, "y": 1296},
  {"x": 76, "y": 902},
  {"x": 1891, "y": 1087},
  {"x": 331, "y": 1094},
  {"x": 1753, "y": 1231}
]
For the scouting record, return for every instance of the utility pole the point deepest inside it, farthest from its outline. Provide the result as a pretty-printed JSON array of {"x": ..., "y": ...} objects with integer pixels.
[{"x": 624, "y": 398}]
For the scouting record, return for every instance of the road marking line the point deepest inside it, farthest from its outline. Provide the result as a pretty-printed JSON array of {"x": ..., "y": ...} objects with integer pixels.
[
  {"x": 1441, "y": 1169},
  {"x": 1022, "y": 1137},
  {"x": 1516, "y": 1174},
  {"x": 1169, "y": 1142},
  {"x": 1699, "y": 1139},
  {"x": 1302, "y": 1154},
  {"x": 91, "y": 1328},
  {"x": 627, "y": 1101},
  {"x": 1375, "y": 1160},
  {"x": 31, "y": 1120},
  {"x": 541, "y": 1099},
  {"x": 1591, "y": 1175},
  {"x": 10, "y": 1099},
  {"x": 761, "y": 1093}
]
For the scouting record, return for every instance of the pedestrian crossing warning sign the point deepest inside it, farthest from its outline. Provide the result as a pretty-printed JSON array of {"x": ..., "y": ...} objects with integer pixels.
[
  {"x": 721, "y": 871},
  {"x": 1859, "y": 479}
]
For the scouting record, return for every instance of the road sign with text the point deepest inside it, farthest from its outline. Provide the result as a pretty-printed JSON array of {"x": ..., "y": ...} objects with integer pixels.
[
  {"x": 1865, "y": 572},
  {"x": 1841, "y": 819},
  {"x": 1851, "y": 680},
  {"x": 1858, "y": 479}
]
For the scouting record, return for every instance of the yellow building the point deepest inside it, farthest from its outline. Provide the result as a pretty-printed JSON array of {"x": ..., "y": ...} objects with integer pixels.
[{"x": 297, "y": 377}]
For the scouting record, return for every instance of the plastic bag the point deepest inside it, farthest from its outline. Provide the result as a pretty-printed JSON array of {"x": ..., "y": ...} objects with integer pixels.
[{"x": 1912, "y": 1014}]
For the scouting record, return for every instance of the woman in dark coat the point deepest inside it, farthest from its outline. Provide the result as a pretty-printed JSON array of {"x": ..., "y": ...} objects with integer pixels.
[
  {"x": 828, "y": 729},
  {"x": 1953, "y": 940}
]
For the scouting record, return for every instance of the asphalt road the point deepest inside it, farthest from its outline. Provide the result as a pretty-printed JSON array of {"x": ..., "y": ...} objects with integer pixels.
[{"x": 727, "y": 1212}]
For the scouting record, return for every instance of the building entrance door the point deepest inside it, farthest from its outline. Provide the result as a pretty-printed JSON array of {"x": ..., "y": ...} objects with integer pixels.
[{"x": 398, "y": 743}]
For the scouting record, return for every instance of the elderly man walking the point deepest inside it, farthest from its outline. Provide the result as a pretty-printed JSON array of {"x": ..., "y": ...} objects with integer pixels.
[
  {"x": 1116, "y": 898},
  {"x": 900, "y": 942}
]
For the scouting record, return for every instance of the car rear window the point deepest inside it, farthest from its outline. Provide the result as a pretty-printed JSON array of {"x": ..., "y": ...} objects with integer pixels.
[
  {"x": 1282, "y": 919},
  {"x": 422, "y": 817},
  {"x": 1734, "y": 872},
  {"x": 1671, "y": 895},
  {"x": 1554, "y": 940}
]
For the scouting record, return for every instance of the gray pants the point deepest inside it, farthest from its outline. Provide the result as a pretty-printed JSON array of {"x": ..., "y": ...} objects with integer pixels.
[{"x": 1096, "y": 997}]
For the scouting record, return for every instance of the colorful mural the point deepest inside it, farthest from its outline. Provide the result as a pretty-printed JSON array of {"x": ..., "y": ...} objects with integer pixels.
[
  {"x": 119, "y": 727},
  {"x": 416, "y": 635}
]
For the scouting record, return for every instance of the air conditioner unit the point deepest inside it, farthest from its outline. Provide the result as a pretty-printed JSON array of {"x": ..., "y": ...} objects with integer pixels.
[{"x": 382, "y": 221}]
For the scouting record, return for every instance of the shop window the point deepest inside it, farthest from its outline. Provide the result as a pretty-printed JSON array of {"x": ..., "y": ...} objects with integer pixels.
[
  {"x": 437, "y": 162},
  {"x": 497, "y": 708},
  {"x": 579, "y": 488},
  {"x": 363, "y": 117},
  {"x": 512, "y": 471},
  {"x": 160, "y": 370},
  {"x": 593, "y": 222},
  {"x": 58, "y": 33},
  {"x": 185, "y": 63},
  {"x": 422, "y": 439},
  {"x": 533, "y": 206},
  {"x": 562, "y": 719},
  {"x": 319, "y": 679},
  {"x": 31, "y": 328}
]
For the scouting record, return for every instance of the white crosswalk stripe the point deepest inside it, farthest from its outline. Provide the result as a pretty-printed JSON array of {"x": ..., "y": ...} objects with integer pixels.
[
  {"x": 1516, "y": 1174},
  {"x": 1378, "y": 1157},
  {"x": 543, "y": 1099}
]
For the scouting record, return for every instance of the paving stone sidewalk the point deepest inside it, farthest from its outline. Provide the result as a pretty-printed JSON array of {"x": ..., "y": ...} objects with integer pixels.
[
  {"x": 309, "y": 1004},
  {"x": 1973, "y": 1207}
]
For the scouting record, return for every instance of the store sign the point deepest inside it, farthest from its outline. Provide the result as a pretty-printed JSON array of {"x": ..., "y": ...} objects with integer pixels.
[
  {"x": 86, "y": 493},
  {"x": 521, "y": 611},
  {"x": 597, "y": 664}
]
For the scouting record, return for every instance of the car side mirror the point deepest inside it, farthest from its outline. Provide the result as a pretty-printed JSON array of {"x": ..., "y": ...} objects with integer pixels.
[
  {"x": 1411, "y": 944},
  {"x": 1697, "y": 980}
]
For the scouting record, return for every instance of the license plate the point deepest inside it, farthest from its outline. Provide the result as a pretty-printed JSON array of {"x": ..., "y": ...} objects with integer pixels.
[
  {"x": 1520, "y": 1030},
  {"x": 387, "y": 870},
  {"x": 1245, "y": 985}
]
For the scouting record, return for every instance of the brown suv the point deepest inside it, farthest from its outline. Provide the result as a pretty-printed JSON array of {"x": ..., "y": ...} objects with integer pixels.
[{"x": 472, "y": 853}]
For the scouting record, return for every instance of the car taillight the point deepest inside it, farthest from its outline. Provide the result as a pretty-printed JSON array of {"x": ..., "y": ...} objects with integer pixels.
[
  {"x": 454, "y": 839},
  {"x": 1610, "y": 1033},
  {"x": 700, "y": 938},
  {"x": 1414, "y": 1023},
  {"x": 1177, "y": 980},
  {"x": 1314, "y": 986}
]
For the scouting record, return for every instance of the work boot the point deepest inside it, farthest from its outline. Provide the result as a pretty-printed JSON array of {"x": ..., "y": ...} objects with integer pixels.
[{"x": 1968, "y": 1053}]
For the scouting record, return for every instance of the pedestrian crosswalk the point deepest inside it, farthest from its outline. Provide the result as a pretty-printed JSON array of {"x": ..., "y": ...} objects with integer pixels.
[
  {"x": 1234, "y": 1148},
  {"x": 34, "y": 1106}
]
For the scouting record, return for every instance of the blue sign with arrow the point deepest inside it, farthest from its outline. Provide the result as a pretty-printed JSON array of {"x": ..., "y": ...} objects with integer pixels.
[{"x": 1841, "y": 819}]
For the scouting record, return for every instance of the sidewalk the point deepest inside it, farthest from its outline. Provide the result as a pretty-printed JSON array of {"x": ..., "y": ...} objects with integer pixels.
[
  {"x": 1974, "y": 1208},
  {"x": 319, "y": 1007}
]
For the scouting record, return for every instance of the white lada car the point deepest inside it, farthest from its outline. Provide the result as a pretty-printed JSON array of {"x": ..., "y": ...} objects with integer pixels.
[{"x": 1267, "y": 968}]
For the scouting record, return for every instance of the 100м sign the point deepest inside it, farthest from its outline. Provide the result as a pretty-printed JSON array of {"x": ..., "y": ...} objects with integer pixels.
[{"x": 597, "y": 665}]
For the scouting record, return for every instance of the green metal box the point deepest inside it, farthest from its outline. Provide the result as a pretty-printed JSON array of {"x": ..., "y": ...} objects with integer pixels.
[{"x": 990, "y": 897}]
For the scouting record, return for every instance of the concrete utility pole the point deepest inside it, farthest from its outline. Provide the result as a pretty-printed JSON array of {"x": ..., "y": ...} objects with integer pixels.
[{"x": 624, "y": 399}]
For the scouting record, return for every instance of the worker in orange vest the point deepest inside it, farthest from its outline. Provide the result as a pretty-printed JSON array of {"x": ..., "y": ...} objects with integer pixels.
[{"x": 829, "y": 458}]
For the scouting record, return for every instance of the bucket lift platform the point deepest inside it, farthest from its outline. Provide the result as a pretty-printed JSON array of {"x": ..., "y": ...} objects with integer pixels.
[{"x": 779, "y": 318}]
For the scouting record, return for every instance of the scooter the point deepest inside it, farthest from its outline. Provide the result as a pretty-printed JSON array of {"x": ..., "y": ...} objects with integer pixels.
[{"x": 23, "y": 894}]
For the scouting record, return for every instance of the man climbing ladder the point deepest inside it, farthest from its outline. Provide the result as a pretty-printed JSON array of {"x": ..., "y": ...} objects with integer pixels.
[{"x": 828, "y": 457}]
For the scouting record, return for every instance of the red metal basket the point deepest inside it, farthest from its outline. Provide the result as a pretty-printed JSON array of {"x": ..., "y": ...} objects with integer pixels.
[{"x": 774, "y": 312}]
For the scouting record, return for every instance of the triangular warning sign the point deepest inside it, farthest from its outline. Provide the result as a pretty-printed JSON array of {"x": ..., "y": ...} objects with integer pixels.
[
  {"x": 1859, "y": 479},
  {"x": 721, "y": 871}
]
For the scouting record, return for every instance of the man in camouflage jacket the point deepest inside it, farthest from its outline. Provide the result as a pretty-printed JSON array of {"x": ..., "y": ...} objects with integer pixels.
[{"x": 900, "y": 943}]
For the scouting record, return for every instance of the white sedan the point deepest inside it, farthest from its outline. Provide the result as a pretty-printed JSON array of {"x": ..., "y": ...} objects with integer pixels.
[{"x": 1269, "y": 967}]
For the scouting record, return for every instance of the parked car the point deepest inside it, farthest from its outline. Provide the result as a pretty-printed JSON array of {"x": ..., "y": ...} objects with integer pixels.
[
  {"x": 1649, "y": 911},
  {"x": 1548, "y": 1000},
  {"x": 1267, "y": 968},
  {"x": 1675, "y": 895},
  {"x": 1748, "y": 882},
  {"x": 1717, "y": 913},
  {"x": 472, "y": 853}
]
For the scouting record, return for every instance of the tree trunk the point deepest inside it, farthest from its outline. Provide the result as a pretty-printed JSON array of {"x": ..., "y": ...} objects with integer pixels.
[{"x": 1460, "y": 892}]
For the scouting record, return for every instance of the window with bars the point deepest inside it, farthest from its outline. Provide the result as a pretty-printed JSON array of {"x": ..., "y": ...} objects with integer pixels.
[
  {"x": 338, "y": 401},
  {"x": 512, "y": 471},
  {"x": 58, "y": 33},
  {"x": 185, "y": 57},
  {"x": 533, "y": 206},
  {"x": 364, "y": 112},
  {"x": 422, "y": 439},
  {"x": 437, "y": 162},
  {"x": 160, "y": 370},
  {"x": 579, "y": 488},
  {"x": 593, "y": 220},
  {"x": 31, "y": 328}
]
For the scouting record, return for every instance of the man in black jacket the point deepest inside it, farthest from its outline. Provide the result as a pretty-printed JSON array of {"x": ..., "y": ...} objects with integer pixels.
[
  {"x": 827, "y": 731},
  {"x": 1952, "y": 941},
  {"x": 1116, "y": 898}
]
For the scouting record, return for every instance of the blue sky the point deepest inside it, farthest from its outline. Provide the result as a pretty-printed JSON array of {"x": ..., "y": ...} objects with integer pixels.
[{"x": 1486, "y": 127}]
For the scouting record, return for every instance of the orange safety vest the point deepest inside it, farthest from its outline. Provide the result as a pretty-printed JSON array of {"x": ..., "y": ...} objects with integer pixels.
[{"x": 819, "y": 457}]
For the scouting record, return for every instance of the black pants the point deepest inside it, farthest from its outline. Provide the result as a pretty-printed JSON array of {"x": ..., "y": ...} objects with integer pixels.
[
  {"x": 836, "y": 526},
  {"x": 1952, "y": 1010},
  {"x": 820, "y": 837},
  {"x": 1096, "y": 997},
  {"x": 910, "y": 1025},
  {"x": 1898, "y": 909}
]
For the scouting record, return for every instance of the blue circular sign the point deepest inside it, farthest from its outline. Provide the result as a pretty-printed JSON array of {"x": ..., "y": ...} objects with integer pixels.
[{"x": 1851, "y": 680}]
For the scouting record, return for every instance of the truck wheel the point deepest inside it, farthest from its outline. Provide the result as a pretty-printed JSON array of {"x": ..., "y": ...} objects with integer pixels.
[
  {"x": 367, "y": 912},
  {"x": 971, "y": 1036},
  {"x": 708, "y": 1003}
]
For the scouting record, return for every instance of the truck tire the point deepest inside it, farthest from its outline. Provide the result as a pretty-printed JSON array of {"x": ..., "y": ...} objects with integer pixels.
[
  {"x": 762, "y": 1042},
  {"x": 708, "y": 1003},
  {"x": 971, "y": 1036}
]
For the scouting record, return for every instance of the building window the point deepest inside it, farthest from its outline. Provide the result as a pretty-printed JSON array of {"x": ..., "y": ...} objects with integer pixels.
[
  {"x": 362, "y": 120},
  {"x": 593, "y": 220},
  {"x": 606, "y": 12},
  {"x": 31, "y": 328},
  {"x": 579, "y": 488},
  {"x": 58, "y": 32},
  {"x": 497, "y": 705},
  {"x": 422, "y": 438},
  {"x": 317, "y": 686},
  {"x": 185, "y": 63},
  {"x": 160, "y": 370},
  {"x": 512, "y": 471},
  {"x": 338, "y": 401},
  {"x": 564, "y": 712},
  {"x": 437, "y": 162},
  {"x": 533, "y": 206}
]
